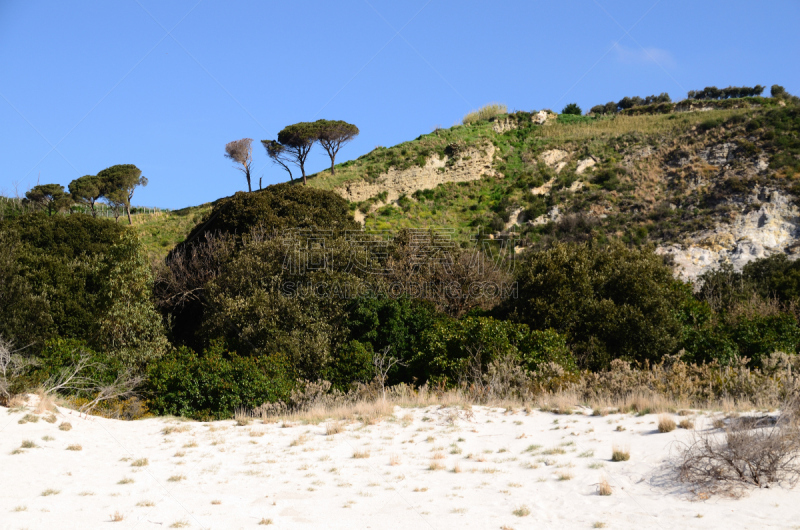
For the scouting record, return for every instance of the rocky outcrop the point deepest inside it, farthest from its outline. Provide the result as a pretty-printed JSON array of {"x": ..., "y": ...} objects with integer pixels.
[
  {"x": 469, "y": 164},
  {"x": 768, "y": 224},
  {"x": 501, "y": 126},
  {"x": 555, "y": 158},
  {"x": 585, "y": 164}
]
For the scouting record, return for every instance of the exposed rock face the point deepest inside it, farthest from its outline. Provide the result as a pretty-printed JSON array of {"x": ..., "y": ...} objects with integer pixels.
[
  {"x": 585, "y": 164},
  {"x": 769, "y": 224},
  {"x": 471, "y": 164},
  {"x": 555, "y": 158},
  {"x": 505, "y": 125},
  {"x": 540, "y": 117},
  {"x": 718, "y": 155}
]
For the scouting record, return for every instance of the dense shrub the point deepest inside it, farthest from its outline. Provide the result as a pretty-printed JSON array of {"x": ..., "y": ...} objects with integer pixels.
[
  {"x": 277, "y": 208},
  {"x": 378, "y": 322},
  {"x": 78, "y": 277},
  {"x": 215, "y": 384},
  {"x": 611, "y": 302},
  {"x": 572, "y": 108},
  {"x": 712, "y": 92},
  {"x": 455, "y": 351}
]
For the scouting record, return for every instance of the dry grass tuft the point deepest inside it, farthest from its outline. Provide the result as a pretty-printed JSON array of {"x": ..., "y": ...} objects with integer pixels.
[
  {"x": 20, "y": 509},
  {"x": 176, "y": 478},
  {"x": 300, "y": 440},
  {"x": 604, "y": 488},
  {"x": 333, "y": 427},
  {"x": 484, "y": 113},
  {"x": 125, "y": 480},
  {"x": 361, "y": 454},
  {"x": 145, "y": 504},
  {"x": 618, "y": 454},
  {"x": 117, "y": 517},
  {"x": 65, "y": 426},
  {"x": 74, "y": 447},
  {"x": 457, "y": 468},
  {"x": 686, "y": 424},
  {"x": 28, "y": 444},
  {"x": 394, "y": 460},
  {"x": 50, "y": 491},
  {"x": 174, "y": 428},
  {"x": 565, "y": 475},
  {"x": 265, "y": 521},
  {"x": 180, "y": 524},
  {"x": 666, "y": 424},
  {"x": 522, "y": 511},
  {"x": 435, "y": 466},
  {"x": 216, "y": 502},
  {"x": 141, "y": 462}
]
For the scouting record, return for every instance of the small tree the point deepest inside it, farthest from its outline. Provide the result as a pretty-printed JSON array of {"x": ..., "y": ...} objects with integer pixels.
[
  {"x": 573, "y": 109},
  {"x": 86, "y": 190},
  {"x": 241, "y": 152},
  {"x": 277, "y": 153},
  {"x": 777, "y": 91},
  {"x": 118, "y": 184},
  {"x": 383, "y": 362},
  {"x": 50, "y": 196},
  {"x": 333, "y": 135},
  {"x": 297, "y": 140}
]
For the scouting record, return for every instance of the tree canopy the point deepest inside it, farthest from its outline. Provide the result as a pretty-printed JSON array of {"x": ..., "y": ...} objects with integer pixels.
[
  {"x": 119, "y": 182},
  {"x": 333, "y": 134},
  {"x": 50, "y": 196},
  {"x": 87, "y": 189},
  {"x": 241, "y": 152},
  {"x": 298, "y": 139}
]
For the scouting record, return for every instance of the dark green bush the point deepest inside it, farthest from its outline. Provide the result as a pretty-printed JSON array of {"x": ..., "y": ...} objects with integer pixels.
[
  {"x": 611, "y": 302},
  {"x": 277, "y": 208},
  {"x": 572, "y": 108},
  {"x": 214, "y": 385},
  {"x": 81, "y": 278},
  {"x": 451, "y": 349}
]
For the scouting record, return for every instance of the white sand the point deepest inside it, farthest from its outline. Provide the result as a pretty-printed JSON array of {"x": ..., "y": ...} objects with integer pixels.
[{"x": 318, "y": 483}]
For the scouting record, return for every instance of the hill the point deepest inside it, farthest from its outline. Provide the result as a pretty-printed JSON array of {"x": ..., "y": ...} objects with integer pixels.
[{"x": 707, "y": 182}]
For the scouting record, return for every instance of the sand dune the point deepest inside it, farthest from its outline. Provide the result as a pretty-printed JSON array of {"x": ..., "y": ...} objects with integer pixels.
[{"x": 425, "y": 468}]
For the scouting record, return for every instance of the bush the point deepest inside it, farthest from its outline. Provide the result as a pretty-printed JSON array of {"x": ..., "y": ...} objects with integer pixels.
[
  {"x": 461, "y": 351},
  {"x": 80, "y": 278},
  {"x": 484, "y": 113},
  {"x": 213, "y": 385},
  {"x": 277, "y": 208},
  {"x": 612, "y": 302},
  {"x": 572, "y": 108}
]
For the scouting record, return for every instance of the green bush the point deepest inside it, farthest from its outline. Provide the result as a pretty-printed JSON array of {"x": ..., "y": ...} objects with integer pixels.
[
  {"x": 81, "y": 278},
  {"x": 452, "y": 347},
  {"x": 352, "y": 363},
  {"x": 277, "y": 208},
  {"x": 214, "y": 385},
  {"x": 610, "y": 302},
  {"x": 398, "y": 323},
  {"x": 572, "y": 108}
]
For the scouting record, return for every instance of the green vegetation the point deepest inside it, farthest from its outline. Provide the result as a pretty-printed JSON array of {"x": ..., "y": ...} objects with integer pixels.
[{"x": 275, "y": 294}]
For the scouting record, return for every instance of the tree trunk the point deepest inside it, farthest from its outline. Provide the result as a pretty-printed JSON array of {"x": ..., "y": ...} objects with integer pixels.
[
  {"x": 94, "y": 214},
  {"x": 247, "y": 174},
  {"x": 128, "y": 210},
  {"x": 304, "y": 175},
  {"x": 333, "y": 161}
]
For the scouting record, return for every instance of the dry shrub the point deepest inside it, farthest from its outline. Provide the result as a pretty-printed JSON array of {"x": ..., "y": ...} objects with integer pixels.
[
  {"x": 74, "y": 447},
  {"x": 484, "y": 113},
  {"x": 666, "y": 424},
  {"x": 361, "y": 454},
  {"x": 604, "y": 488},
  {"x": 117, "y": 517},
  {"x": 619, "y": 454},
  {"x": 686, "y": 424},
  {"x": 333, "y": 427},
  {"x": 435, "y": 466},
  {"x": 750, "y": 451},
  {"x": 394, "y": 460}
]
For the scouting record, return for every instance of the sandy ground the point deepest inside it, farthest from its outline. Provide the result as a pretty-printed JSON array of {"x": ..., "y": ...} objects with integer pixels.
[{"x": 222, "y": 476}]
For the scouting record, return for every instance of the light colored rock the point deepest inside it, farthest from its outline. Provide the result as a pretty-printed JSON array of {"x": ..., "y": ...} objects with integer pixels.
[
  {"x": 773, "y": 227},
  {"x": 553, "y": 156},
  {"x": 515, "y": 218},
  {"x": 554, "y": 215},
  {"x": 718, "y": 155},
  {"x": 501, "y": 126},
  {"x": 576, "y": 186},
  {"x": 544, "y": 189},
  {"x": 540, "y": 117},
  {"x": 472, "y": 164},
  {"x": 585, "y": 164}
]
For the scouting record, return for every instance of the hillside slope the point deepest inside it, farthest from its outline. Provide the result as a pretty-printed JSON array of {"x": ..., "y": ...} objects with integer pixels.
[{"x": 711, "y": 184}]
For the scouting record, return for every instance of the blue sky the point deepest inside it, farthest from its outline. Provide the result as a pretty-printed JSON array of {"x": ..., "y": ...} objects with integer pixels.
[{"x": 164, "y": 85}]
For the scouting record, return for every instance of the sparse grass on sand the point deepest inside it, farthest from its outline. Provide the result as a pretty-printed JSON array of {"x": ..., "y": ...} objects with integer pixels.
[
  {"x": 619, "y": 454},
  {"x": 666, "y": 424},
  {"x": 604, "y": 488},
  {"x": 522, "y": 511}
]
